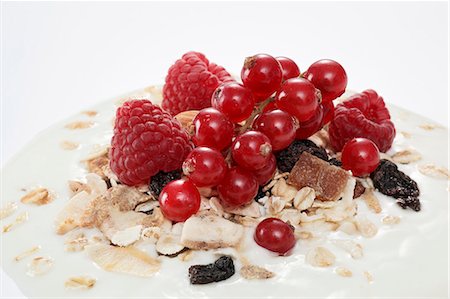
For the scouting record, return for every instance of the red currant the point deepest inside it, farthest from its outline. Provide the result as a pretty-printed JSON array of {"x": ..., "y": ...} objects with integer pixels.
[
  {"x": 298, "y": 97},
  {"x": 205, "y": 167},
  {"x": 271, "y": 106},
  {"x": 279, "y": 126},
  {"x": 262, "y": 74},
  {"x": 251, "y": 150},
  {"x": 275, "y": 235},
  {"x": 311, "y": 126},
  {"x": 179, "y": 200},
  {"x": 329, "y": 77},
  {"x": 238, "y": 188},
  {"x": 328, "y": 112},
  {"x": 233, "y": 100},
  {"x": 212, "y": 129},
  {"x": 265, "y": 174},
  {"x": 289, "y": 68},
  {"x": 361, "y": 156}
]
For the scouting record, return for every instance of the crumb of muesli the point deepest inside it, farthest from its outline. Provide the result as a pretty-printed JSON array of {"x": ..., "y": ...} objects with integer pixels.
[
  {"x": 372, "y": 201},
  {"x": 434, "y": 171},
  {"x": 430, "y": 127},
  {"x": 39, "y": 266},
  {"x": 27, "y": 253},
  {"x": 368, "y": 276},
  {"x": 366, "y": 227},
  {"x": 75, "y": 241},
  {"x": 344, "y": 272},
  {"x": 90, "y": 113},
  {"x": 98, "y": 164},
  {"x": 391, "y": 220},
  {"x": 303, "y": 235},
  {"x": 8, "y": 210},
  {"x": 406, "y": 134},
  {"x": 38, "y": 196},
  {"x": 350, "y": 246},
  {"x": 80, "y": 282},
  {"x": 77, "y": 125},
  {"x": 69, "y": 145},
  {"x": 255, "y": 272},
  {"x": 19, "y": 220},
  {"x": 320, "y": 257},
  {"x": 406, "y": 156}
]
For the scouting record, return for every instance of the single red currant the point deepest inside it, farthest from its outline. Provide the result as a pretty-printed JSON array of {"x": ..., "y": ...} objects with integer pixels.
[
  {"x": 288, "y": 67},
  {"x": 233, "y": 100},
  {"x": 361, "y": 156},
  {"x": 311, "y": 126},
  {"x": 205, "y": 167},
  {"x": 328, "y": 112},
  {"x": 212, "y": 129},
  {"x": 298, "y": 97},
  {"x": 251, "y": 150},
  {"x": 279, "y": 126},
  {"x": 238, "y": 188},
  {"x": 265, "y": 174},
  {"x": 179, "y": 200},
  {"x": 262, "y": 74},
  {"x": 329, "y": 77},
  {"x": 275, "y": 235},
  {"x": 271, "y": 106}
]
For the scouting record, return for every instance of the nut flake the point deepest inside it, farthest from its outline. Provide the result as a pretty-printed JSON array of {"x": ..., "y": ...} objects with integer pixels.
[
  {"x": 274, "y": 205},
  {"x": 98, "y": 163},
  {"x": 344, "y": 272},
  {"x": 353, "y": 248},
  {"x": 406, "y": 156},
  {"x": 406, "y": 134},
  {"x": 39, "y": 196},
  {"x": 303, "y": 235},
  {"x": 250, "y": 210},
  {"x": 304, "y": 198},
  {"x": 151, "y": 234},
  {"x": 39, "y": 266},
  {"x": 147, "y": 206},
  {"x": 8, "y": 210},
  {"x": 320, "y": 257},
  {"x": 80, "y": 282},
  {"x": 128, "y": 260},
  {"x": 372, "y": 201},
  {"x": 19, "y": 220},
  {"x": 69, "y": 145},
  {"x": 348, "y": 227},
  {"x": 366, "y": 227},
  {"x": 283, "y": 190},
  {"x": 75, "y": 241},
  {"x": 186, "y": 118},
  {"x": 290, "y": 216},
  {"x": 429, "y": 127},
  {"x": 90, "y": 113},
  {"x": 77, "y": 125},
  {"x": 255, "y": 272},
  {"x": 27, "y": 253},
  {"x": 169, "y": 245},
  {"x": 76, "y": 187},
  {"x": 127, "y": 236},
  {"x": 368, "y": 276},
  {"x": 390, "y": 220},
  {"x": 434, "y": 171}
]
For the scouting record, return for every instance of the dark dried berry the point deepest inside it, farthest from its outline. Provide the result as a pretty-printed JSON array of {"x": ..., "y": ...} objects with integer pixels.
[
  {"x": 359, "y": 190},
  {"x": 220, "y": 270},
  {"x": 335, "y": 162},
  {"x": 161, "y": 179},
  {"x": 393, "y": 182},
  {"x": 412, "y": 202},
  {"x": 287, "y": 158}
]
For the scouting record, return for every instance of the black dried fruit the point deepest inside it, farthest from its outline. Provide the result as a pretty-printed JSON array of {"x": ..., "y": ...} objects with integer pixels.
[
  {"x": 287, "y": 158},
  {"x": 161, "y": 179},
  {"x": 220, "y": 270},
  {"x": 393, "y": 182},
  {"x": 335, "y": 162}
]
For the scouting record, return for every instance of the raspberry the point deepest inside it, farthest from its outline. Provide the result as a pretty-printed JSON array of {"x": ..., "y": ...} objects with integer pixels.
[
  {"x": 362, "y": 115},
  {"x": 191, "y": 82},
  {"x": 146, "y": 140}
]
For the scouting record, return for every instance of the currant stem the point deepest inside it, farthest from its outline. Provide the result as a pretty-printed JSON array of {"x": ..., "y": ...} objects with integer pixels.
[{"x": 255, "y": 112}]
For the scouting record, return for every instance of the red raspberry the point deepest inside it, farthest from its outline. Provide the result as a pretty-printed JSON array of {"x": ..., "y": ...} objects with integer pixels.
[
  {"x": 146, "y": 140},
  {"x": 191, "y": 82},
  {"x": 362, "y": 115}
]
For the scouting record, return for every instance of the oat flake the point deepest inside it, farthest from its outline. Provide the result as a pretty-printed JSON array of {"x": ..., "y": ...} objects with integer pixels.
[{"x": 434, "y": 171}]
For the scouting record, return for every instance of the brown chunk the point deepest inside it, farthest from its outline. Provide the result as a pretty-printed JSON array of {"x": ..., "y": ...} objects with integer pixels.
[
  {"x": 327, "y": 180},
  {"x": 359, "y": 190}
]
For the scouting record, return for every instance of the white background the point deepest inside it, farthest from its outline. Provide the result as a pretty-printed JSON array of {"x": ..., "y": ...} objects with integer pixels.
[{"x": 60, "y": 58}]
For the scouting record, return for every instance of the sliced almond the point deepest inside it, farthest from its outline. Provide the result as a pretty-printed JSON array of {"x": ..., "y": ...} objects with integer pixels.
[
  {"x": 128, "y": 260},
  {"x": 255, "y": 272},
  {"x": 39, "y": 196}
]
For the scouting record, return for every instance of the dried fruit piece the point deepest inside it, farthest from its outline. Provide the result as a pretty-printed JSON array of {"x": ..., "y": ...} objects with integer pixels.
[
  {"x": 220, "y": 270},
  {"x": 393, "y": 182},
  {"x": 128, "y": 260},
  {"x": 161, "y": 179},
  {"x": 80, "y": 282},
  {"x": 287, "y": 158},
  {"x": 327, "y": 180},
  {"x": 39, "y": 196},
  {"x": 255, "y": 272}
]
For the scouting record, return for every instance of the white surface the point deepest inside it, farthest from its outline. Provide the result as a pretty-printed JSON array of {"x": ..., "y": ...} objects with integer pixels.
[
  {"x": 59, "y": 58},
  {"x": 396, "y": 251}
]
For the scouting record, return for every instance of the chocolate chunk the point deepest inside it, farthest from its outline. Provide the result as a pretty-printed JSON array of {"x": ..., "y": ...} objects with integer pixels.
[
  {"x": 220, "y": 270},
  {"x": 359, "y": 190},
  {"x": 161, "y": 179},
  {"x": 327, "y": 180},
  {"x": 287, "y": 158},
  {"x": 393, "y": 182}
]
